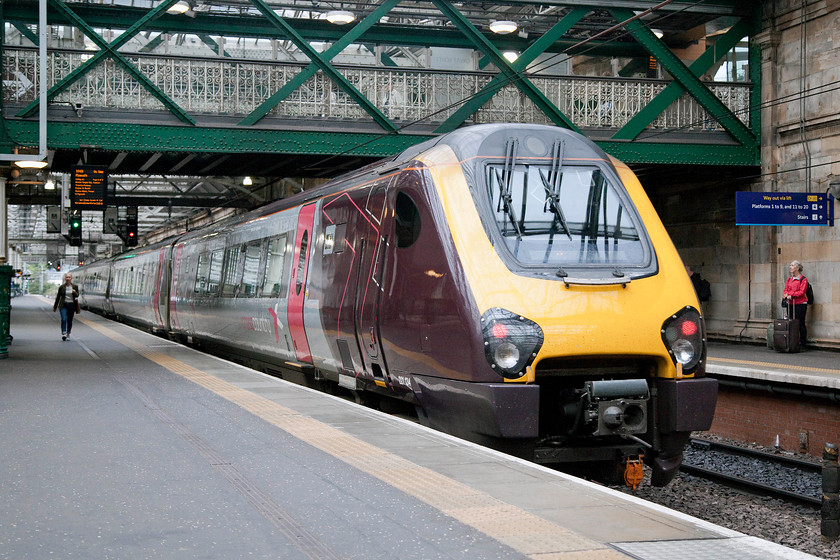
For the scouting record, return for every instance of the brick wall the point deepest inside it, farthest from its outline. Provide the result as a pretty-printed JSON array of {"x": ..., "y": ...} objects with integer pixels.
[{"x": 758, "y": 417}]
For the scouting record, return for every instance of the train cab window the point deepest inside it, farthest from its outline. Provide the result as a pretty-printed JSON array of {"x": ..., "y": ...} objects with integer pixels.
[
  {"x": 214, "y": 276},
  {"x": 571, "y": 216},
  {"x": 251, "y": 271},
  {"x": 406, "y": 221},
  {"x": 275, "y": 263},
  {"x": 232, "y": 271}
]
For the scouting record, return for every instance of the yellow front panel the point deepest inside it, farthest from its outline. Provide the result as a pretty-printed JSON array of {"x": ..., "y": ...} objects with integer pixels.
[{"x": 578, "y": 320}]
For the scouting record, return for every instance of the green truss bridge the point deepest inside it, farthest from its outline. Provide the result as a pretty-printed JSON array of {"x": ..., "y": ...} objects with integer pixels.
[{"x": 274, "y": 89}]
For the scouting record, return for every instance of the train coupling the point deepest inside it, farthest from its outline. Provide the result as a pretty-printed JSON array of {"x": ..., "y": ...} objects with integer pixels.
[
  {"x": 634, "y": 471},
  {"x": 617, "y": 407}
]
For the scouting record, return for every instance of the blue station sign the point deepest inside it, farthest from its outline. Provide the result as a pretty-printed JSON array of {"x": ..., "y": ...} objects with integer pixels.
[{"x": 783, "y": 209}]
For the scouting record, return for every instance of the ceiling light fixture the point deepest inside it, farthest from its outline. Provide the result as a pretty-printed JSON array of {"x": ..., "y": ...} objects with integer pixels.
[
  {"x": 503, "y": 27},
  {"x": 247, "y": 181},
  {"x": 340, "y": 17},
  {"x": 31, "y": 164},
  {"x": 511, "y": 56},
  {"x": 179, "y": 7},
  {"x": 658, "y": 33},
  {"x": 49, "y": 185}
]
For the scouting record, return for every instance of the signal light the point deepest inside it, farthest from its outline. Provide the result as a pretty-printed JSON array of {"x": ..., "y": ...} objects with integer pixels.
[
  {"x": 131, "y": 228},
  {"x": 58, "y": 267},
  {"x": 76, "y": 229}
]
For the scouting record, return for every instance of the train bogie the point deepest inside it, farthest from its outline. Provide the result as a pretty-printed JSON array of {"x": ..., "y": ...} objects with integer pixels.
[{"x": 510, "y": 281}]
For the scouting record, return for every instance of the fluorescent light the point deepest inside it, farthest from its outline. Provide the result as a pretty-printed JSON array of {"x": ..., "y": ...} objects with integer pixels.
[
  {"x": 340, "y": 17},
  {"x": 247, "y": 181},
  {"x": 31, "y": 164},
  {"x": 658, "y": 33},
  {"x": 179, "y": 8},
  {"x": 511, "y": 56},
  {"x": 49, "y": 185},
  {"x": 503, "y": 27}
]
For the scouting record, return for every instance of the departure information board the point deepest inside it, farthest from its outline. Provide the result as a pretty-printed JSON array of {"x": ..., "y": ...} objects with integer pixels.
[
  {"x": 783, "y": 209},
  {"x": 89, "y": 187}
]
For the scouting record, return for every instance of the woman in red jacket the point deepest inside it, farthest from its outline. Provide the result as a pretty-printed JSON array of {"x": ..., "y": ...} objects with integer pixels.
[{"x": 795, "y": 287}]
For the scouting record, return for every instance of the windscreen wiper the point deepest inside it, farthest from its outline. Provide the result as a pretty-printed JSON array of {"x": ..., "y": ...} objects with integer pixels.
[
  {"x": 551, "y": 184},
  {"x": 505, "y": 181}
]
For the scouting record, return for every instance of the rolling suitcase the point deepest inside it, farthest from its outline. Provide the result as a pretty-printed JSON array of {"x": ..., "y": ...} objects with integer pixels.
[{"x": 786, "y": 333}]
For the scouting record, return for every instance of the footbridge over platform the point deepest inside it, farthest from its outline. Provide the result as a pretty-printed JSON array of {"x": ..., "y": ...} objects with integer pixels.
[{"x": 255, "y": 88}]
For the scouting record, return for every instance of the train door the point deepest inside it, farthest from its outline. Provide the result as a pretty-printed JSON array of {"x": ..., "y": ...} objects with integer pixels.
[
  {"x": 161, "y": 290},
  {"x": 297, "y": 284},
  {"x": 369, "y": 287},
  {"x": 175, "y": 291}
]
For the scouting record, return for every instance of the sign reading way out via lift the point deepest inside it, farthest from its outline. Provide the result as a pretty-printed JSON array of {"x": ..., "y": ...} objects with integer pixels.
[{"x": 783, "y": 209}]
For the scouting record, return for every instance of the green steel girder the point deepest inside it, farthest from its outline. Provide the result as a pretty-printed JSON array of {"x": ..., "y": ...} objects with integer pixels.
[
  {"x": 686, "y": 78},
  {"x": 677, "y": 154},
  {"x": 518, "y": 66},
  {"x": 325, "y": 67},
  {"x": 222, "y": 140},
  {"x": 153, "y": 44},
  {"x": 211, "y": 42},
  {"x": 26, "y": 32},
  {"x": 110, "y": 49},
  {"x": 250, "y": 26},
  {"x": 485, "y": 46},
  {"x": 672, "y": 92},
  {"x": 322, "y": 61},
  {"x": 119, "y": 137}
]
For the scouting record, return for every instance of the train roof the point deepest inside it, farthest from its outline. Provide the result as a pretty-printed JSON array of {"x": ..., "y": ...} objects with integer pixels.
[{"x": 467, "y": 142}]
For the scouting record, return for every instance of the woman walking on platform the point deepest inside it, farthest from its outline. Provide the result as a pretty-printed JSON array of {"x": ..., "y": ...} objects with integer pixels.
[{"x": 67, "y": 301}]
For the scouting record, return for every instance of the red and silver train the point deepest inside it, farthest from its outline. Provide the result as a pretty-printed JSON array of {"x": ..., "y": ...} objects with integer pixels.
[{"x": 511, "y": 282}]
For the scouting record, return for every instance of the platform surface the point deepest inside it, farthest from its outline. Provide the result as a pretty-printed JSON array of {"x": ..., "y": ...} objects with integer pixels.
[
  {"x": 813, "y": 368},
  {"x": 120, "y": 444}
]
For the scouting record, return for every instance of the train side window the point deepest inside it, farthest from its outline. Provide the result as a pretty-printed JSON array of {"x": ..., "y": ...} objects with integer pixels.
[
  {"x": 201, "y": 273},
  {"x": 301, "y": 265},
  {"x": 334, "y": 238},
  {"x": 251, "y": 270},
  {"x": 406, "y": 221},
  {"x": 276, "y": 261},
  {"x": 214, "y": 276},
  {"x": 232, "y": 271}
]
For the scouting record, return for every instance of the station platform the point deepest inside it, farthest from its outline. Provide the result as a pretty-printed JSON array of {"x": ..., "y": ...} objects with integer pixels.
[
  {"x": 120, "y": 444},
  {"x": 819, "y": 369}
]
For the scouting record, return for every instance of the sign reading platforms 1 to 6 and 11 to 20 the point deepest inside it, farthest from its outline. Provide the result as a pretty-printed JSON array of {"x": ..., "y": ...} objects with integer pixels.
[
  {"x": 89, "y": 187},
  {"x": 783, "y": 209}
]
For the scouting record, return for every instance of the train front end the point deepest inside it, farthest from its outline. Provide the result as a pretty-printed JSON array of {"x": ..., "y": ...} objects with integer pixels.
[{"x": 583, "y": 300}]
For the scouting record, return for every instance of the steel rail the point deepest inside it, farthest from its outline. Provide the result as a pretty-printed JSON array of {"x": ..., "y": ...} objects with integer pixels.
[{"x": 753, "y": 486}]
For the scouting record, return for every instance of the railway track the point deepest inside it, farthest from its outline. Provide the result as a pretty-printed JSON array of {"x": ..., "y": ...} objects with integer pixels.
[{"x": 754, "y": 471}]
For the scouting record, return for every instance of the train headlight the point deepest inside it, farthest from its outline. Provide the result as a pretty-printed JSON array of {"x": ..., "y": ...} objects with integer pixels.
[
  {"x": 506, "y": 355},
  {"x": 511, "y": 342},
  {"x": 684, "y": 335}
]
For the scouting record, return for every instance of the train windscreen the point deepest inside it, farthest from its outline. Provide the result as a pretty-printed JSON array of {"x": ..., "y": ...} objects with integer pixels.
[{"x": 566, "y": 216}]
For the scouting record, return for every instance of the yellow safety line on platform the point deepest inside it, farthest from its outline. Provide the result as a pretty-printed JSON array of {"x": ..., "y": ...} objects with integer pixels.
[
  {"x": 523, "y": 531},
  {"x": 772, "y": 365}
]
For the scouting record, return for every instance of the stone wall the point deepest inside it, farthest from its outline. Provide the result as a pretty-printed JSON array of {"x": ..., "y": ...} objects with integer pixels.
[{"x": 800, "y": 152}]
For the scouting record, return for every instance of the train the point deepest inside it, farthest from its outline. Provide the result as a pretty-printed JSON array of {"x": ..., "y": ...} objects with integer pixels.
[{"x": 510, "y": 283}]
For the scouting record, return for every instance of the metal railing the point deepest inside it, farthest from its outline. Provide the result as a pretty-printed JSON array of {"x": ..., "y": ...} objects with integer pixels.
[{"x": 230, "y": 87}]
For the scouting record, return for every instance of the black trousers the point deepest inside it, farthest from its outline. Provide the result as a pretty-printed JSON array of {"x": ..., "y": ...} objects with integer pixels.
[{"x": 799, "y": 312}]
